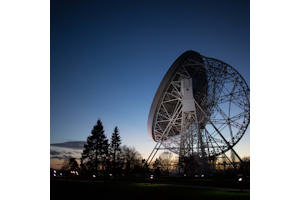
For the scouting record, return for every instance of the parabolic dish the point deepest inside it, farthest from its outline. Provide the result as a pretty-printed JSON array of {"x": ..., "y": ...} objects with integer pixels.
[{"x": 222, "y": 105}]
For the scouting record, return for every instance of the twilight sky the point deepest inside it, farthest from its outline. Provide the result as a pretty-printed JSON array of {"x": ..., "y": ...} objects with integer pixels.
[{"x": 108, "y": 58}]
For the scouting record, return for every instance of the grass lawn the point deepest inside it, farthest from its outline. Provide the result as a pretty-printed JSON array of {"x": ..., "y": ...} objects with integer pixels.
[{"x": 75, "y": 189}]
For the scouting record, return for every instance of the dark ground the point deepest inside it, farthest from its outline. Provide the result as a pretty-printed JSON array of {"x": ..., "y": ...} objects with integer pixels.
[{"x": 171, "y": 188}]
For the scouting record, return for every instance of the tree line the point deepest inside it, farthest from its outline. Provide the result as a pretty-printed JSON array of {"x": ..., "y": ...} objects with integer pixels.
[{"x": 101, "y": 156}]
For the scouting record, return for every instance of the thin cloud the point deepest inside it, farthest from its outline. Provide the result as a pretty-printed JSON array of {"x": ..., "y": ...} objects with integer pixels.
[
  {"x": 71, "y": 144},
  {"x": 54, "y": 153},
  {"x": 66, "y": 150},
  {"x": 61, "y": 157}
]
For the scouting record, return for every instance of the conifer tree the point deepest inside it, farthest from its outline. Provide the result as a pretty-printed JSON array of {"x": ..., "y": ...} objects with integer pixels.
[
  {"x": 95, "y": 152},
  {"x": 115, "y": 145}
]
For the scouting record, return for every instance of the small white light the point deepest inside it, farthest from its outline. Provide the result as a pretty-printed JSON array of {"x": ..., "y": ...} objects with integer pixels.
[
  {"x": 54, "y": 174},
  {"x": 60, "y": 174},
  {"x": 54, "y": 171},
  {"x": 240, "y": 179},
  {"x": 77, "y": 173},
  {"x": 94, "y": 176},
  {"x": 151, "y": 177},
  {"x": 202, "y": 175},
  {"x": 110, "y": 174},
  {"x": 184, "y": 175}
]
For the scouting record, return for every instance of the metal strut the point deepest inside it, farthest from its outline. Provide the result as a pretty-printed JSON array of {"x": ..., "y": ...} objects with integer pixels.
[
  {"x": 155, "y": 148},
  {"x": 159, "y": 143},
  {"x": 217, "y": 130}
]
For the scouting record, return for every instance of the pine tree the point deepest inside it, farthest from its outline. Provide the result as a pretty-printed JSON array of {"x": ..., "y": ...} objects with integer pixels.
[
  {"x": 95, "y": 152},
  {"x": 115, "y": 145}
]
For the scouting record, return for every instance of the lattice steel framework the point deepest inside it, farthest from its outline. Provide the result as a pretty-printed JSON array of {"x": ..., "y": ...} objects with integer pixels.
[{"x": 221, "y": 115}]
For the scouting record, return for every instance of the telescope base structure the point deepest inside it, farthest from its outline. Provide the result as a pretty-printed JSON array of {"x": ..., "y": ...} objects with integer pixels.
[
  {"x": 192, "y": 149},
  {"x": 194, "y": 164}
]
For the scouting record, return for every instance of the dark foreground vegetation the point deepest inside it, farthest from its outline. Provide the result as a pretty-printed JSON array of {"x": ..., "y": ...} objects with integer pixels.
[{"x": 140, "y": 188}]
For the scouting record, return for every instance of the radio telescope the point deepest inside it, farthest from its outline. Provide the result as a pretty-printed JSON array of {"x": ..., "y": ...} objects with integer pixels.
[{"x": 201, "y": 109}]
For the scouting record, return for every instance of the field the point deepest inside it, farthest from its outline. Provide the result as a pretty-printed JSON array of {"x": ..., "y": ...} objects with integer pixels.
[{"x": 110, "y": 189}]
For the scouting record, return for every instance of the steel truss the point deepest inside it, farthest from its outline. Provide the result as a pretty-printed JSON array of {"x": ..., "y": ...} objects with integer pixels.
[{"x": 221, "y": 117}]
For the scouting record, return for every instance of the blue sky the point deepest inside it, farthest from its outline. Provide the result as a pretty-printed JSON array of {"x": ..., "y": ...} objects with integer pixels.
[{"x": 108, "y": 58}]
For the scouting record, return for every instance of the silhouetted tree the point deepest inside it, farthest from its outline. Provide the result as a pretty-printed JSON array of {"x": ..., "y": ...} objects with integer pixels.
[
  {"x": 245, "y": 167},
  {"x": 190, "y": 165},
  {"x": 115, "y": 148},
  {"x": 156, "y": 163},
  {"x": 83, "y": 168},
  {"x": 165, "y": 161},
  {"x": 70, "y": 166},
  {"x": 95, "y": 152},
  {"x": 130, "y": 157},
  {"x": 157, "y": 166},
  {"x": 145, "y": 167}
]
